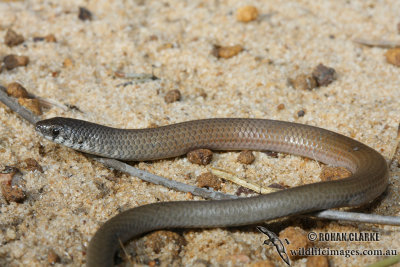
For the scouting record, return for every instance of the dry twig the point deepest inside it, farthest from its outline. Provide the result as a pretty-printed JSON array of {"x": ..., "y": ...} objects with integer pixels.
[{"x": 377, "y": 43}]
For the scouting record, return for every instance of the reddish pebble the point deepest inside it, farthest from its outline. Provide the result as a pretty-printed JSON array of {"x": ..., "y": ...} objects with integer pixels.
[
  {"x": 14, "y": 61},
  {"x": 172, "y": 96},
  {"x": 84, "y": 14},
  {"x": 324, "y": 75},
  {"x": 12, "y": 38},
  {"x": 246, "y": 157},
  {"x": 200, "y": 156},
  {"x": 209, "y": 180},
  {"x": 16, "y": 90}
]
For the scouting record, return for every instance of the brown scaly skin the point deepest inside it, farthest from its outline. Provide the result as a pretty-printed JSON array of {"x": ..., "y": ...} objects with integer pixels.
[{"x": 369, "y": 168}]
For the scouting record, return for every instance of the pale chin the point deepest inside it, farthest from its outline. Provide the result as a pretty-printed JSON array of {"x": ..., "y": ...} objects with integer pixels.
[{"x": 41, "y": 134}]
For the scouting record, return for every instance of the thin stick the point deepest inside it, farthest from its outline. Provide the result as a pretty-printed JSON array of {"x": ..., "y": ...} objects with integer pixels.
[
  {"x": 17, "y": 108},
  {"x": 377, "y": 43},
  {"x": 155, "y": 179},
  {"x": 357, "y": 217},
  {"x": 210, "y": 194}
]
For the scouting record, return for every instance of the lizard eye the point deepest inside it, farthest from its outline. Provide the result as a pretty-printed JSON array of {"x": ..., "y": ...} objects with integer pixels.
[{"x": 55, "y": 132}]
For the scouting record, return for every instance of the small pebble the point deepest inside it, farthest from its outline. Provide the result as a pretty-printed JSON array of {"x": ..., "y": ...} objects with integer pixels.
[
  {"x": 55, "y": 74},
  {"x": 393, "y": 56},
  {"x": 41, "y": 150},
  {"x": 84, "y": 14},
  {"x": 48, "y": 38},
  {"x": 31, "y": 104},
  {"x": 172, "y": 96},
  {"x": 301, "y": 113},
  {"x": 280, "y": 106},
  {"x": 68, "y": 63},
  {"x": 12, "y": 193},
  {"x": 297, "y": 238},
  {"x": 31, "y": 164},
  {"x": 303, "y": 82},
  {"x": 246, "y": 157},
  {"x": 13, "y": 61},
  {"x": 188, "y": 196},
  {"x": 324, "y": 75},
  {"x": 246, "y": 13},
  {"x": 12, "y": 38},
  {"x": 329, "y": 173},
  {"x": 153, "y": 263},
  {"x": 317, "y": 261},
  {"x": 226, "y": 51},
  {"x": 16, "y": 90},
  {"x": 52, "y": 257},
  {"x": 200, "y": 156},
  {"x": 10, "y": 179},
  {"x": 208, "y": 180}
]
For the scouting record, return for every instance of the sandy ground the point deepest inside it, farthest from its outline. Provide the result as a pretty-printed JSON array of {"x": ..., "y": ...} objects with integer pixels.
[{"x": 67, "y": 203}]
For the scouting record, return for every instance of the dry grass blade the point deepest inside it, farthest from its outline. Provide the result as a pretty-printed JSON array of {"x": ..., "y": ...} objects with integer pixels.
[
  {"x": 377, "y": 43},
  {"x": 234, "y": 179}
]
